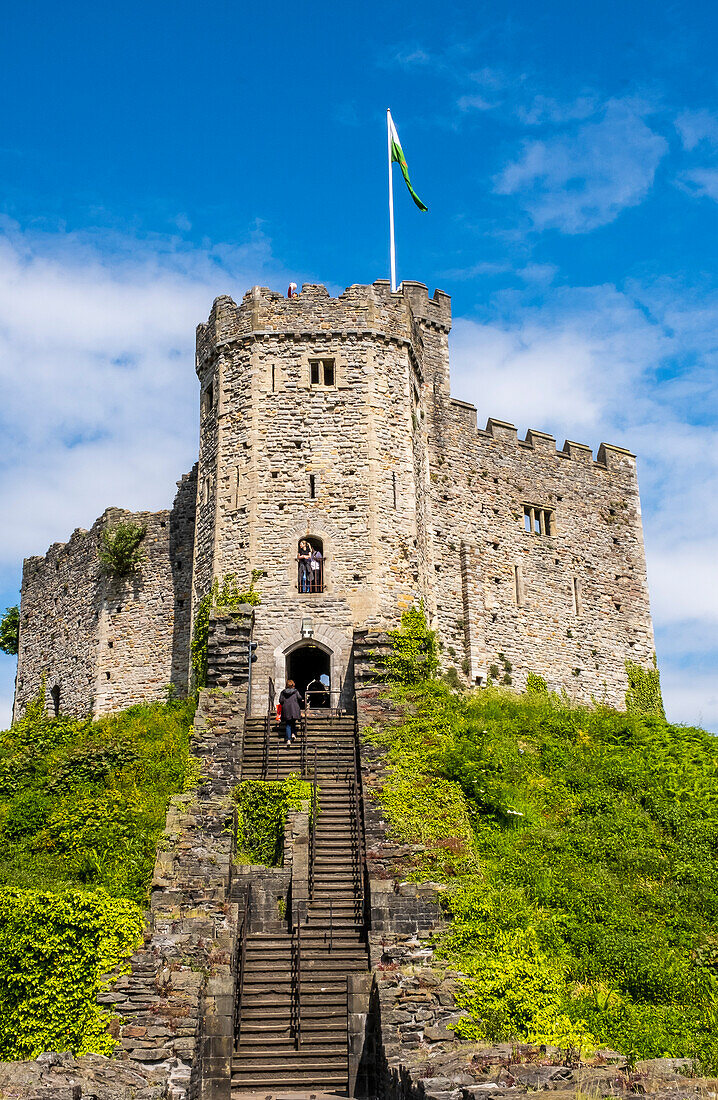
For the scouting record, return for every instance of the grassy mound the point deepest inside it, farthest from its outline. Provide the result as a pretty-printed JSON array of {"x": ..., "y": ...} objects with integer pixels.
[
  {"x": 82, "y": 805},
  {"x": 578, "y": 848}
]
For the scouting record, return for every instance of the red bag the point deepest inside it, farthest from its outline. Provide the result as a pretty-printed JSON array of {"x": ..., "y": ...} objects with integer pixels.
[{"x": 279, "y": 712}]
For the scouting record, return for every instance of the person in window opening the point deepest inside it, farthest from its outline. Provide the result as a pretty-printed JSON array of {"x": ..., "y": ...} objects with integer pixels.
[
  {"x": 291, "y": 703},
  {"x": 315, "y": 565},
  {"x": 292, "y": 291},
  {"x": 304, "y": 561}
]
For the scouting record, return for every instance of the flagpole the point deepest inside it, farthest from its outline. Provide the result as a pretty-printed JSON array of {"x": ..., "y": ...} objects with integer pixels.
[{"x": 392, "y": 248}]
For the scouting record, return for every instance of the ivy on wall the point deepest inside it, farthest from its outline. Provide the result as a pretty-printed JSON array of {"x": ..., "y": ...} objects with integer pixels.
[
  {"x": 414, "y": 649},
  {"x": 54, "y": 950},
  {"x": 644, "y": 689},
  {"x": 262, "y": 809},
  {"x": 120, "y": 551},
  {"x": 224, "y": 594}
]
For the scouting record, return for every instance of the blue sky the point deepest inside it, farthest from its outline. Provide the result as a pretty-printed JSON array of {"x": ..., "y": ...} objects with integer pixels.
[{"x": 153, "y": 156}]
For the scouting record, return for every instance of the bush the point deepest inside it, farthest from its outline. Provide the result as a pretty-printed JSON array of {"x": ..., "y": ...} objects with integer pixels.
[
  {"x": 10, "y": 631},
  {"x": 54, "y": 949},
  {"x": 262, "y": 809},
  {"x": 84, "y": 802},
  {"x": 579, "y": 848},
  {"x": 120, "y": 553}
]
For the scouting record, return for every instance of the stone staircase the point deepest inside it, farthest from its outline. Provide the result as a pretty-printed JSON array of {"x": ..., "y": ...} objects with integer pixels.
[
  {"x": 331, "y": 736},
  {"x": 293, "y": 1021}
]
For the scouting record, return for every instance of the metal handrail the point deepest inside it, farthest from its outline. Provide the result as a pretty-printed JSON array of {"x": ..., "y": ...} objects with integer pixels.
[
  {"x": 296, "y": 1006},
  {"x": 303, "y": 742},
  {"x": 313, "y": 830},
  {"x": 332, "y": 694},
  {"x": 268, "y": 728},
  {"x": 362, "y": 869},
  {"x": 240, "y": 957}
]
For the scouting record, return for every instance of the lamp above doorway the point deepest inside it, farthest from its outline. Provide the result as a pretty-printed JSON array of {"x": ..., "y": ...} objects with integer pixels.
[{"x": 307, "y": 630}]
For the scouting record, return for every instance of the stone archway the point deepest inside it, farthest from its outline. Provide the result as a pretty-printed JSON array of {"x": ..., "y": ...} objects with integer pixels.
[{"x": 310, "y": 665}]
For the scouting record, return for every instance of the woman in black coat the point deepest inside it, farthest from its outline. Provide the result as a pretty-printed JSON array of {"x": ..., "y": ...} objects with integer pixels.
[{"x": 291, "y": 703}]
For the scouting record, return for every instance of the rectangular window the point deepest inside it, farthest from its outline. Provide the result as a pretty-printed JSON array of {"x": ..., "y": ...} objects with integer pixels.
[
  {"x": 322, "y": 373},
  {"x": 539, "y": 521},
  {"x": 312, "y": 486}
]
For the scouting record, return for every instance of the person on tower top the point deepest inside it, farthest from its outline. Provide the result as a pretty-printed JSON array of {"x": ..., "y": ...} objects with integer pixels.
[{"x": 292, "y": 291}]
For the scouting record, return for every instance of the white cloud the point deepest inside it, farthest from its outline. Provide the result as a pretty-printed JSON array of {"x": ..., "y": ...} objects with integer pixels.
[
  {"x": 690, "y": 698},
  {"x": 695, "y": 127},
  {"x": 584, "y": 176},
  {"x": 97, "y": 367},
  {"x": 702, "y": 182}
]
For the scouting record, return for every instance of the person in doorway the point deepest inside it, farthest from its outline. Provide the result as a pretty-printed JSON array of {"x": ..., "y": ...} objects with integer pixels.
[
  {"x": 304, "y": 560},
  {"x": 291, "y": 703},
  {"x": 315, "y": 565}
]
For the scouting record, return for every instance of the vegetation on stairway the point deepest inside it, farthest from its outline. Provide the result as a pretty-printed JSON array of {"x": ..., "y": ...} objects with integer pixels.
[
  {"x": 82, "y": 805},
  {"x": 262, "y": 810},
  {"x": 226, "y": 593},
  {"x": 577, "y": 846}
]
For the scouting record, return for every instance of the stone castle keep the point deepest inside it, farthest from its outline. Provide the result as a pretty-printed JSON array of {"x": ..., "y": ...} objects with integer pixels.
[{"x": 332, "y": 419}]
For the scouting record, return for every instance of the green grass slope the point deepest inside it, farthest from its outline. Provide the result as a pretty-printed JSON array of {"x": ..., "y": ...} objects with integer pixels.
[
  {"x": 578, "y": 849},
  {"x": 82, "y": 805}
]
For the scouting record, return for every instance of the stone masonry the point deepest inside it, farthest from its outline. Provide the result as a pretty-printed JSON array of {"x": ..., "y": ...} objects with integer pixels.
[{"x": 333, "y": 418}]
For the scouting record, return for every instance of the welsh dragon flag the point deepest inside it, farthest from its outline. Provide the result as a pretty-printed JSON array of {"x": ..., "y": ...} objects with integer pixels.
[{"x": 397, "y": 155}]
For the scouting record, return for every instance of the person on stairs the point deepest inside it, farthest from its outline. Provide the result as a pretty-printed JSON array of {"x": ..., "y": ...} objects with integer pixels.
[{"x": 291, "y": 703}]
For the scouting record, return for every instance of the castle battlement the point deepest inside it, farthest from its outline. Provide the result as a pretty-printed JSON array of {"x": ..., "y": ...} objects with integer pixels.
[
  {"x": 609, "y": 456},
  {"x": 362, "y": 309}
]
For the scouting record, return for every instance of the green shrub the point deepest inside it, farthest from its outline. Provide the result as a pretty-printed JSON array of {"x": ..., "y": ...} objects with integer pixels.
[
  {"x": 10, "y": 631},
  {"x": 84, "y": 802},
  {"x": 536, "y": 685},
  {"x": 54, "y": 950},
  {"x": 120, "y": 553},
  {"x": 262, "y": 809},
  {"x": 227, "y": 594},
  {"x": 579, "y": 846}
]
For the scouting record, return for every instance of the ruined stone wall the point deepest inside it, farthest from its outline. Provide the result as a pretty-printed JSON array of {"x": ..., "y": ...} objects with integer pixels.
[
  {"x": 101, "y": 642},
  {"x": 570, "y": 605}
]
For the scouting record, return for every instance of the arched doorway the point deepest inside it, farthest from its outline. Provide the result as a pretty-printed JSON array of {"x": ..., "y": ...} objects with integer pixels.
[{"x": 310, "y": 665}]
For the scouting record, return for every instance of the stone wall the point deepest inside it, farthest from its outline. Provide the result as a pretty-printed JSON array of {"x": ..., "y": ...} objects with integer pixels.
[
  {"x": 175, "y": 1008},
  {"x": 104, "y": 643},
  {"x": 571, "y": 605}
]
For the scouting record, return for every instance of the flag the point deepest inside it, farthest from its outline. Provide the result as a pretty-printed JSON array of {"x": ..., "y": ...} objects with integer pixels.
[{"x": 397, "y": 156}]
